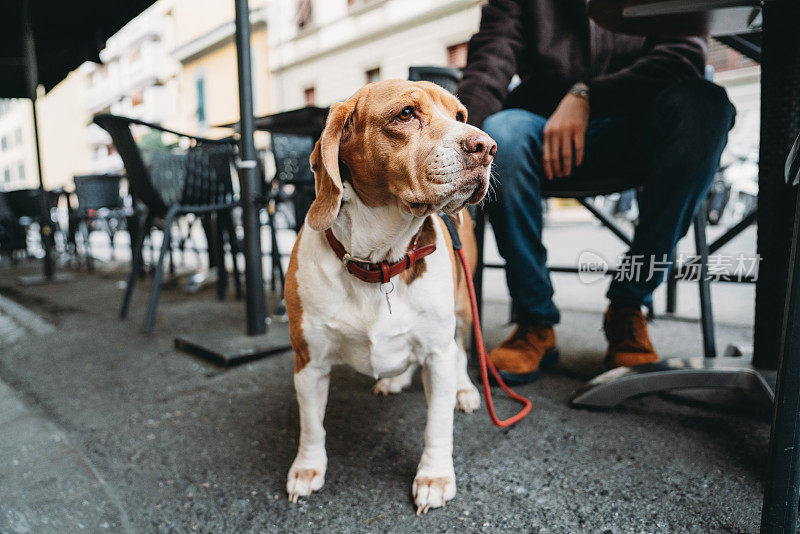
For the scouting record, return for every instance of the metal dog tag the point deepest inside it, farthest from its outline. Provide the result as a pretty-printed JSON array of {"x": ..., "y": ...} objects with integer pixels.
[{"x": 387, "y": 288}]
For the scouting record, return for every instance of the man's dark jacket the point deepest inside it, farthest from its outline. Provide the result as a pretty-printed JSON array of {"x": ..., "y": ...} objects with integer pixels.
[{"x": 553, "y": 44}]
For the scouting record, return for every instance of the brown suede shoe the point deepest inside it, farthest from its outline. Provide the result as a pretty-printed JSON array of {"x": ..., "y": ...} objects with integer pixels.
[
  {"x": 519, "y": 358},
  {"x": 628, "y": 341}
]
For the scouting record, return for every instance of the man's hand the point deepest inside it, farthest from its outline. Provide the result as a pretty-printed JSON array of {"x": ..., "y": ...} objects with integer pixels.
[{"x": 564, "y": 136}]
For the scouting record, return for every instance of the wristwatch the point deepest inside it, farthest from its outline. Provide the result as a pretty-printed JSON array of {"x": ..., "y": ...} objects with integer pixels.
[{"x": 581, "y": 90}]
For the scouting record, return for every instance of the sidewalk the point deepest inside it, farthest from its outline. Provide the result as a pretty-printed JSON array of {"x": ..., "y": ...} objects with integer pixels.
[
  {"x": 46, "y": 484},
  {"x": 115, "y": 431}
]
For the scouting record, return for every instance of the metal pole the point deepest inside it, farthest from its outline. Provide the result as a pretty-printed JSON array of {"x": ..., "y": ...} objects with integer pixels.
[
  {"x": 32, "y": 75},
  {"x": 782, "y": 487},
  {"x": 780, "y": 122},
  {"x": 255, "y": 298},
  {"x": 780, "y": 101}
]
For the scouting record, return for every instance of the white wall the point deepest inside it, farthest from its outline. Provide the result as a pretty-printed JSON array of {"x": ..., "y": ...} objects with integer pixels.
[
  {"x": 744, "y": 90},
  {"x": 334, "y": 52},
  {"x": 16, "y": 117}
]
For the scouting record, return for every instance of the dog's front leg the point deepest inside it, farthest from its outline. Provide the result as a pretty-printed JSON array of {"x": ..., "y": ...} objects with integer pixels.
[
  {"x": 307, "y": 473},
  {"x": 435, "y": 482}
]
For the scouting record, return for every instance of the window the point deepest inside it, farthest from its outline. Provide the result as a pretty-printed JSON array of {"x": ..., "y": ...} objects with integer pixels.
[
  {"x": 4, "y": 143},
  {"x": 310, "y": 96},
  {"x": 723, "y": 58},
  {"x": 7, "y": 175},
  {"x": 18, "y": 136},
  {"x": 200, "y": 87},
  {"x": 457, "y": 56},
  {"x": 373, "y": 75},
  {"x": 21, "y": 171}
]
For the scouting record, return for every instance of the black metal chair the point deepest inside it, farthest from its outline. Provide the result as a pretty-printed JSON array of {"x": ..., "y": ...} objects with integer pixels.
[
  {"x": 583, "y": 191},
  {"x": 100, "y": 205},
  {"x": 292, "y": 185},
  {"x": 291, "y": 153},
  {"x": 24, "y": 208},
  {"x": 442, "y": 76},
  {"x": 12, "y": 233},
  {"x": 189, "y": 176}
]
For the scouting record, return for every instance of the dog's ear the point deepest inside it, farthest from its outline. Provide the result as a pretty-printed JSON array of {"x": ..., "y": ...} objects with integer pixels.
[{"x": 325, "y": 164}]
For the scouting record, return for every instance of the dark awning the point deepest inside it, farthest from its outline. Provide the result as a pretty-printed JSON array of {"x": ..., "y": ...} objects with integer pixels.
[{"x": 66, "y": 32}]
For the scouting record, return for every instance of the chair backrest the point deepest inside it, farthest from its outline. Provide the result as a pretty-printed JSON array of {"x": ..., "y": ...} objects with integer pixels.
[
  {"x": 208, "y": 174},
  {"x": 25, "y": 202},
  {"x": 5, "y": 209},
  {"x": 190, "y": 172},
  {"x": 442, "y": 76},
  {"x": 291, "y": 154},
  {"x": 97, "y": 191},
  {"x": 12, "y": 235},
  {"x": 142, "y": 189}
]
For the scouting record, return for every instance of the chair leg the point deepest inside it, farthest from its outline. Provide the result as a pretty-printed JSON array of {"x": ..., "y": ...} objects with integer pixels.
[
  {"x": 111, "y": 235},
  {"x": 672, "y": 289},
  {"x": 234, "y": 245},
  {"x": 137, "y": 260},
  {"x": 706, "y": 314},
  {"x": 87, "y": 249},
  {"x": 222, "y": 271},
  {"x": 157, "y": 279},
  {"x": 171, "y": 262},
  {"x": 277, "y": 267}
]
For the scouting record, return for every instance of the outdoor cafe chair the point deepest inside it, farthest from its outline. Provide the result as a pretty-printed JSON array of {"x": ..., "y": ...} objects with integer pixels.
[
  {"x": 442, "y": 76},
  {"x": 100, "y": 205},
  {"x": 290, "y": 192},
  {"x": 22, "y": 210},
  {"x": 190, "y": 175},
  {"x": 12, "y": 233},
  {"x": 583, "y": 191}
]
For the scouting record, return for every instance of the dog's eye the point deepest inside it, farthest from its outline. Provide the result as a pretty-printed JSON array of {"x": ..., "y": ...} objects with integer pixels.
[
  {"x": 406, "y": 113},
  {"x": 460, "y": 116}
]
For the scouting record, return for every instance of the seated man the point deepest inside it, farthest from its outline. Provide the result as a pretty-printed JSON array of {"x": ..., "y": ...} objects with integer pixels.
[{"x": 592, "y": 104}]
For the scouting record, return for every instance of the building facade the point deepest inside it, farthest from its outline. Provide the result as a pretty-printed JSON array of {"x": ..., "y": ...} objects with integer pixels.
[
  {"x": 206, "y": 52},
  {"x": 17, "y": 161},
  {"x": 324, "y": 50},
  {"x": 138, "y": 78}
]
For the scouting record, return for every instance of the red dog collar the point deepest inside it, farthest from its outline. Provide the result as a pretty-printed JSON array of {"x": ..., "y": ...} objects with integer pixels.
[{"x": 383, "y": 271}]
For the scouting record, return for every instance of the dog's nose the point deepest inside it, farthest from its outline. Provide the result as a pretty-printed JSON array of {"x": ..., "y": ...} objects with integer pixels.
[{"x": 480, "y": 147}]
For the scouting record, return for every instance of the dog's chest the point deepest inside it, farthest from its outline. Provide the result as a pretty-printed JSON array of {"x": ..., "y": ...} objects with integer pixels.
[
  {"x": 380, "y": 344},
  {"x": 346, "y": 320}
]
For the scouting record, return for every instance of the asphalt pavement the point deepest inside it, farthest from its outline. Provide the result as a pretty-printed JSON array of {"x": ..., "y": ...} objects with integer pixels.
[{"x": 106, "y": 429}]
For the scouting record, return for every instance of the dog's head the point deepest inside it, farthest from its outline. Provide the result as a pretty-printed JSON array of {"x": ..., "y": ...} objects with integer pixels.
[{"x": 400, "y": 142}]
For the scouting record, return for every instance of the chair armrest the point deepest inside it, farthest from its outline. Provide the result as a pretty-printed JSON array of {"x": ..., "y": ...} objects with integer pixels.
[{"x": 130, "y": 120}]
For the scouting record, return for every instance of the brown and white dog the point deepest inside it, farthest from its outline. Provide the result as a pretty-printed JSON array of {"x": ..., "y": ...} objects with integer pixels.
[{"x": 391, "y": 156}]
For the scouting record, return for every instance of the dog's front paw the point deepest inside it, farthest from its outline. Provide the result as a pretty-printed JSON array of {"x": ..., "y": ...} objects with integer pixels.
[
  {"x": 385, "y": 386},
  {"x": 302, "y": 480},
  {"x": 468, "y": 399},
  {"x": 432, "y": 491}
]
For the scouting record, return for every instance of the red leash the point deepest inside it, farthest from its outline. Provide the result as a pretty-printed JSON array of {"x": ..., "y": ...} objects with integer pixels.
[{"x": 486, "y": 362}]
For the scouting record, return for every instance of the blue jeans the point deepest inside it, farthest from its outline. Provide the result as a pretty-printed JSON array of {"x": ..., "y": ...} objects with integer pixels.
[{"x": 674, "y": 146}]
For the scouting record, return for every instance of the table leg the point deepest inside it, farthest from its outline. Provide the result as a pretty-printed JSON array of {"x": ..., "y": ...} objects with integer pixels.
[
  {"x": 782, "y": 487},
  {"x": 777, "y": 334},
  {"x": 780, "y": 122}
]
